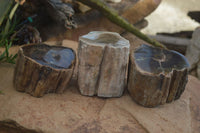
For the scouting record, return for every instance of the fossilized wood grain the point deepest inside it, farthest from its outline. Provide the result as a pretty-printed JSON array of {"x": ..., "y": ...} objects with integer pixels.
[
  {"x": 156, "y": 78},
  {"x": 60, "y": 12},
  {"x": 38, "y": 79},
  {"x": 103, "y": 63}
]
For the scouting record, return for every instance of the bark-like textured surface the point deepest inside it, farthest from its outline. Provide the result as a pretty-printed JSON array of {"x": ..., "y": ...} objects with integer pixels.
[
  {"x": 156, "y": 76},
  {"x": 43, "y": 69},
  {"x": 103, "y": 60}
]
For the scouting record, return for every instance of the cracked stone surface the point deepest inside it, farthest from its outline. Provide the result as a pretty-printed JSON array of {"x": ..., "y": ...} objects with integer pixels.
[
  {"x": 156, "y": 61},
  {"x": 156, "y": 76}
]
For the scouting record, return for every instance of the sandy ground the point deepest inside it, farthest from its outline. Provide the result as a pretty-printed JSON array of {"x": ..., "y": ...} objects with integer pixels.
[{"x": 171, "y": 16}]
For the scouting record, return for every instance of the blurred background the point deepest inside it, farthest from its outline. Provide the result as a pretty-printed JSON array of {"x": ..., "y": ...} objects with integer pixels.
[{"x": 171, "y": 16}]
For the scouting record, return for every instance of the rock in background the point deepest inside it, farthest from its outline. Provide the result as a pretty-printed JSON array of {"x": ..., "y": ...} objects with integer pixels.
[{"x": 193, "y": 50}]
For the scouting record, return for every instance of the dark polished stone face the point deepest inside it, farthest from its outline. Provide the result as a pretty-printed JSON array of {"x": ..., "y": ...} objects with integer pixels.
[
  {"x": 56, "y": 57},
  {"x": 156, "y": 60}
]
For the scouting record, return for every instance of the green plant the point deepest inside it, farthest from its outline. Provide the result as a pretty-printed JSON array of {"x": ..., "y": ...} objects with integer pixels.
[
  {"x": 5, "y": 56},
  {"x": 5, "y": 6},
  {"x": 7, "y": 28}
]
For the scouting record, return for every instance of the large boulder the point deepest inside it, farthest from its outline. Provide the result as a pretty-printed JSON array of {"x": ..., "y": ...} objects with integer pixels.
[{"x": 72, "y": 112}]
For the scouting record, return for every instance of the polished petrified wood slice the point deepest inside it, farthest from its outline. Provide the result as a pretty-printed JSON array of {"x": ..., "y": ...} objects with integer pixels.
[
  {"x": 43, "y": 69},
  {"x": 156, "y": 76},
  {"x": 103, "y": 60}
]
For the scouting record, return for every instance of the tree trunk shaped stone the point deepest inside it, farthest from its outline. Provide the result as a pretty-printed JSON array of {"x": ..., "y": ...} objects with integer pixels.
[
  {"x": 103, "y": 64},
  {"x": 156, "y": 76},
  {"x": 43, "y": 69}
]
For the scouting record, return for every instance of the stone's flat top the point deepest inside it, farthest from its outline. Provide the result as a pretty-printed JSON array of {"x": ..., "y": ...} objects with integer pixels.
[
  {"x": 105, "y": 38},
  {"x": 53, "y": 56},
  {"x": 156, "y": 60}
]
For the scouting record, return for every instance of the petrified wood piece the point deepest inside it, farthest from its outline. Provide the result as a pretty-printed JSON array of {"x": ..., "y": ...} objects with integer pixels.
[
  {"x": 27, "y": 34},
  {"x": 61, "y": 12},
  {"x": 43, "y": 69},
  {"x": 103, "y": 60},
  {"x": 156, "y": 76}
]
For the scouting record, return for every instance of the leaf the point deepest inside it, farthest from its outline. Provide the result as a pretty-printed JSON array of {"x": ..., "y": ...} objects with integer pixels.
[
  {"x": 13, "y": 25},
  {"x": 5, "y": 6},
  {"x": 6, "y": 30},
  {"x": 7, "y": 48},
  {"x": 2, "y": 56},
  {"x": 11, "y": 59},
  {"x": 15, "y": 56},
  {"x": 8, "y": 23}
]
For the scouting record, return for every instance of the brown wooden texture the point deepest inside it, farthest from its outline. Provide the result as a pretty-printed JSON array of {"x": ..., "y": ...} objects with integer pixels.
[
  {"x": 156, "y": 76},
  {"x": 103, "y": 62},
  {"x": 36, "y": 78}
]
